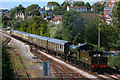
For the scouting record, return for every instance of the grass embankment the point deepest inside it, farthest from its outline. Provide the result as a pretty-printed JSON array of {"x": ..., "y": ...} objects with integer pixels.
[{"x": 7, "y": 65}]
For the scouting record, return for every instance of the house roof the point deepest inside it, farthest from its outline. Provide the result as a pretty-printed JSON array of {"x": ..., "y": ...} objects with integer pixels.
[
  {"x": 57, "y": 18},
  {"x": 77, "y": 7}
]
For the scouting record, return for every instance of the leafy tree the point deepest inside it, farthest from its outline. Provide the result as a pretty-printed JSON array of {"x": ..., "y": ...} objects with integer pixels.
[
  {"x": 12, "y": 14},
  {"x": 97, "y": 7},
  {"x": 33, "y": 9},
  {"x": 19, "y": 9},
  {"x": 4, "y": 20},
  {"x": 72, "y": 23},
  {"x": 109, "y": 35},
  {"x": 79, "y": 38},
  {"x": 88, "y": 6},
  {"x": 114, "y": 61},
  {"x": 101, "y": 13},
  {"x": 59, "y": 10},
  {"x": 55, "y": 30},
  {"x": 78, "y": 4},
  {"x": 7, "y": 67},
  {"x": 114, "y": 11},
  {"x": 16, "y": 25},
  {"x": 53, "y": 3},
  {"x": 35, "y": 12},
  {"x": 23, "y": 27},
  {"x": 37, "y": 25},
  {"x": 91, "y": 22}
]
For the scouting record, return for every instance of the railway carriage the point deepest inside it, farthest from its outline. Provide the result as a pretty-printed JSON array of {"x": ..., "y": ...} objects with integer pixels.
[
  {"x": 32, "y": 38},
  {"x": 20, "y": 35},
  {"x": 60, "y": 47},
  {"x": 42, "y": 41}
]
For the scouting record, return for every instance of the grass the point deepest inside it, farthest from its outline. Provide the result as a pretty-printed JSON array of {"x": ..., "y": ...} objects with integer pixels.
[{"x": 18, "y": 65}]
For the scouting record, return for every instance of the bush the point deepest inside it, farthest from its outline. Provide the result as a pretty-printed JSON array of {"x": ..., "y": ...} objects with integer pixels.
[{"x": 114, "y": 61}]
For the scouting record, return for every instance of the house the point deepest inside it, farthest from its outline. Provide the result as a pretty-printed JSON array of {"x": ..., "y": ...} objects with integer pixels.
[
  {"x": 108, "y": 19},
  {"x": 108, "y": 7},
  {"x": 57, "y": 20},
  {"x": 21, "y": 15},
  {"x": 42, "y": 12},
  {"x": 77, "y": 8},
  {"x": 50, "y": 7}
]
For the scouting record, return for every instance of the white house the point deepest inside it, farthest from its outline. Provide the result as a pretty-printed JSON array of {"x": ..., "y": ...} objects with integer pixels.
[
  {"x": 50, "y": 7},
  {"x": 21, "y": 15},
  {"x": 77, "y": 8}
]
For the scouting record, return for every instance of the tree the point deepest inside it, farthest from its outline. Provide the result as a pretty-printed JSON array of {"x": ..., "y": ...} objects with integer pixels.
[
  {"x": 53, "y": 3},
  {"x": 4, "y": 20},
  {"x": 109, "y": 35},
  {"x": 78, "y": 4},
  {"x": 72, "y": 23},
  {"x": 35, "y": 13},
  {"x": 79, "y": 38},
  {"x": 55, "y": 30},
  {"x": 97, "y": 7},
  {"x": 91, "y": 22},
  {"x": 19, "y": 9},
  {"x": 7, "y": 67},
  {"x": 33, "y": 9},
  {"x": 88, "y": 6},
  {"x": 37, "y": 25},
  {"x": 23, "y": 27},
  {"x": 12, "y": 14},
  {"x": 118, "y": 11}
]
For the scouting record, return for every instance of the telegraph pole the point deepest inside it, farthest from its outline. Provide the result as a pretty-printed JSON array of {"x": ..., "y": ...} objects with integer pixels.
[{"x": 99, "y": 35}]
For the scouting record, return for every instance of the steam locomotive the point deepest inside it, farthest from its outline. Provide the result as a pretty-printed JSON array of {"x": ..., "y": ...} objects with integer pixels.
[{"x": 82, "y": 55}]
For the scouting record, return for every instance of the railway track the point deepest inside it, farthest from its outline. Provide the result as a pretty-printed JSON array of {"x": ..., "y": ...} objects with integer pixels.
[
  {"x": 110, "y": 74},
  {"x": 61, "y": 70},
  {"x": 69, "y": 72}
]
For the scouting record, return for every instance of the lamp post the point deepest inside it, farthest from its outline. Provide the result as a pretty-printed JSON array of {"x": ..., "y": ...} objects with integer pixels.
[{"x": 99, "y": 35}]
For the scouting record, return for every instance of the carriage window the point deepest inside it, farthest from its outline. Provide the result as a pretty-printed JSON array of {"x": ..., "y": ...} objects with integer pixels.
[{"x": 60, "y": 47}]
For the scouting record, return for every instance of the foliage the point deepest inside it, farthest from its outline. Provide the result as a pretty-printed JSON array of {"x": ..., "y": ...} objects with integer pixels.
[
  {"x": 35, "y": 25},
  {"x": 4, "y": 20},
  {"x": 7, "y": 67},
  {"x": 109, "y": 35},
  {"x": 116, "y": 11},
  {"x": 88, "y": 6},
  {"x": 78, "y": 4},
  {"x": 55, "y": 30},
  {"x": 23, "y": 27},
  {"x": 35, "y": 13},
  {"x": 33, "y": 10},
  {"x": 59, "y": 10},
  {"x": 97, "y": 7},
  {"x": 91, "y": 22},
  {"x": 72, "y": 23},
  {"x": 53, "y": 3},
  {"x": 19, "y": 9},
  {"x": 114, "y": 61},
  {"x": 12, "y": 14},
  {"x": 16, "y": 25}
]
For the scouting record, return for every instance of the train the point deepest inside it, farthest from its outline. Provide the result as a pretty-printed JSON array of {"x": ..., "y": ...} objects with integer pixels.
[{"x": 82, "y": 55}]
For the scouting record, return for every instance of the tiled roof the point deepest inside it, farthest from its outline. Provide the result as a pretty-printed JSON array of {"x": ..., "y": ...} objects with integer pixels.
[
  {"x": 77, "y": 7},
  {"x": 57, "y": 18}
]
